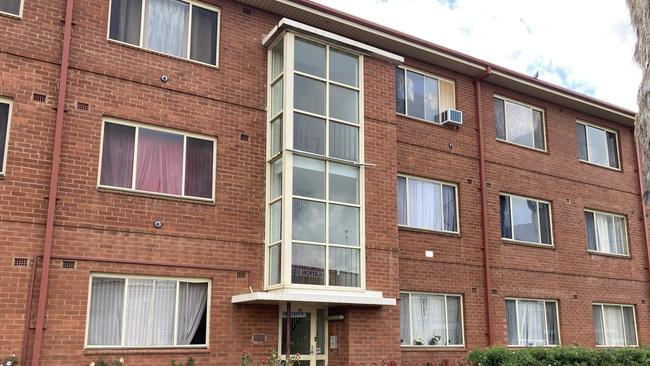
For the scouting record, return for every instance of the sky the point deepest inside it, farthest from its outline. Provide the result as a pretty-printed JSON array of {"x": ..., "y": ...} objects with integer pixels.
[{"x": 583, "y": 45}]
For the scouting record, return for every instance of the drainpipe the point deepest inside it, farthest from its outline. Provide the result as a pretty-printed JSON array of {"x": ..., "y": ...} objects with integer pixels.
[
  {"x": 287, "y": 336},
  {"x": 639, "y": 170},
  {"x": 54, "y": 183},
  {"x": 481, "y": 155}
]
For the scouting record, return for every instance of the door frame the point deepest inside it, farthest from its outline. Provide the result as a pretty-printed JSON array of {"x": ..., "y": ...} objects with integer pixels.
[{"x": 312, "y": 357}]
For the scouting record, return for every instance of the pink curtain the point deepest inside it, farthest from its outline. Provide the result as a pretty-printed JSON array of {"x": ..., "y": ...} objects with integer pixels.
[
  {"x": 160, "y": 162},
  {"x": 117, "y": 155}
]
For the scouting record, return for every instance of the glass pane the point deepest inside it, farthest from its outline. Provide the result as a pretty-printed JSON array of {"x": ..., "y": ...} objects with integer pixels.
[
  {"x": 431, "y": 107},
  {"x": 545, "y": 223},
  {"x": 401, "y": 201},
  {"x": 612, "y": 149},
  {"x": 276, "y": 97},
  {"x": 532, "y": 329},
  {"x": 449, "y": 208},
  {"x": 344, "y": 267},
  {"x": 106, "y": 309},
  {"x": 424, "y": 205},
  {"x": 400, "y": 91},
  {"x": 275, "y": 261},
  {"x": 500, "y": 117},
  {"x": 511, "y": 320},
  {"x": 199, "y": 167},
  {"x": 149, "y": 300},
  {"x": 552, "y": 323},
  {"x": 160, "y": 162},
  {"x": 614, "y": 333},
  {"x": 598, "y": 325},
  {"x": 276, "y": 136},
  {"x": 597, "y": 143},
  {"x": 454, "y": 320},
  {"x": 344, "y": 104},
  {"x": 308, "y": 133},
  {"x": 203, "y": 46},
  {"x": 519, "y": 121},
  {"x": 343, "y": 225},
  {"x": 621, "y": 234},
  {"x": 309, "y": 58},
  {"x": 10, "y": 6},
  {"x": 276, "y": 178},
  {"x": 344, "y": 141},
  {"x": 415, "y": 94},
  {"x": 405, "y": 320},
  {"x": 309, "y": 95},
  {"x": 300, "y": 338},
  {"x": 581, "y": 132},
  {"x": 308, "y": 177},
  {"x": 4, "y": 124},
  {"x": 125, "y": 19},
  {"x": 525, "y": 219},
  {"x": 506, "y": 224},
  {"x": 428, "y": 320},
  {"x": 276, "y": 221},
  {"x": 166, "y": 26},
  {"x": 117, "y": 155},
  {"x": 538, "y": 127},
  {"x": 344, "y": 183},
  {"x": 164, "y": 307},
  {"x": 192, "y": 313},
  {"x": 307, "y": 265},
  {"x": 630, "y": 326},
  {"x": 320, "y": 332},
  {"x": 277, "y": 60},
  {"x": 447, "y": 95},
  {"x": 344, "y": 68},
  {"x": 592, "y": 244},
  {"x": 308, "y": 221}
]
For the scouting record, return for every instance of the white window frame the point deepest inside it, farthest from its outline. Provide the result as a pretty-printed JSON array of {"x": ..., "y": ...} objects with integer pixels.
[
  {"x": 625, "y": 236},
  {"x": 20, "y": 11},
  {"x": 539, "y": 230},
  {"x": 185, "y": 135},
  {"x": 9, "y": 102},
  {"x": 462, "y": 320},
  {"x": 602, "y": 312},
  {"x": 544, "y": 301},
  {"x": 404, "y": 69},
  {"x": 618, "y": 143},
  {"x": 441, "y": 183},
  {"x": 140, "y": 44},
  {"x": 126, "y": 289},
  {"x": 505, "y": 121}
]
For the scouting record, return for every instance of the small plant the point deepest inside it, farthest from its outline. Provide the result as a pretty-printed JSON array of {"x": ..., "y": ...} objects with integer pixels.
[
  {"x": 273, "y": 360},
  {"x": 190, "y": 362},
  {"x": 10, "y": 361},
  {"x": 102, "y": 362}
]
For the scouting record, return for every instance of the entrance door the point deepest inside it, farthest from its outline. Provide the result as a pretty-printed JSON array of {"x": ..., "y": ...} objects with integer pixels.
[{"x": 308, "y": 332}]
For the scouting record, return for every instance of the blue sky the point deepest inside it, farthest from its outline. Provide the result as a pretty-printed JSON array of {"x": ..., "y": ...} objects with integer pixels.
[{"x": 583, "y": 45}]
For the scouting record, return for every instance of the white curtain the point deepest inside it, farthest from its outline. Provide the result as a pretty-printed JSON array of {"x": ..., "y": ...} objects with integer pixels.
[
  {"x": 610, "y": 233},
  {"x": 532, "y": 330},
  {"x": 166, "y": 26},
  {"x": 192, "y": 301},
  {"x": 428, "y": 312},
  {"x": 424, "y": 204},
  {"x": 614, "y": 333},
  {"x": 454, "y": 319},
  {"x": 106, "y": 305},
  {"x": 150, "y": 312},
  {"x": 344, "y": 267},
  {"x": 405, "y": 319}
]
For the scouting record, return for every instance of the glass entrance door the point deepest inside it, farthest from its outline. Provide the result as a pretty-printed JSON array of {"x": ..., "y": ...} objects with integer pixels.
[{"x": 308, "y": 332}]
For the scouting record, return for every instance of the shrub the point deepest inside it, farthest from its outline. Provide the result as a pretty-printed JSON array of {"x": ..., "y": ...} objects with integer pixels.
[{"x": 560, "y": 356}]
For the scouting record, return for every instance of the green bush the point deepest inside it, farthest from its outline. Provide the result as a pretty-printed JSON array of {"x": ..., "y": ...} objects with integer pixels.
[{"x": 560, "y": 356}]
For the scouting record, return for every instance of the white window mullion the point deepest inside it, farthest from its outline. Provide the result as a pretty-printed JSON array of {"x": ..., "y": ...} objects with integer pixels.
[
  {"x": 446, "y": 323},
  {"x": 602, "y": 316},
  {"x": 517, "y": 321},
  {"x": 151, "y": 309},
  {"x": 545, "y": 322},
  {"x": 539, "y": 223},
  {"x": 411, "y": 317},
  {"x": 624, "y": 330},
  {"x": 512, "y": 221},
  {"x": 178, "y": 286},
  {"x": 135, "y": 157},
  {"x": 587, "y": 142},
  {"x": 124, "y": 310},
  {"x": 439, "y": 101},
  {"x": 142, "y": 20},
  {"x": 183, "y": 165},
  {"x": 408, "y": 203},
  {"x": 189, "y": 32},
  {"x": 406, "y": 95},
  {"x": 442, "y": 208}
]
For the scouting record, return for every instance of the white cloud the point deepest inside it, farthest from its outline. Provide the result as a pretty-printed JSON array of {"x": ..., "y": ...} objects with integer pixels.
[{"x": 583, "y": 45}]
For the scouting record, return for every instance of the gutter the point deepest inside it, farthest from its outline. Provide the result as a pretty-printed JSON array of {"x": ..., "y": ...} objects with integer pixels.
[
  {"x": 486, "y": 251},
  {"x": 639, "y": 170}
]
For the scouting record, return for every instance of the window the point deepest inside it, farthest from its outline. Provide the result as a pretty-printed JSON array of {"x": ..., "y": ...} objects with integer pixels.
[
  {"x": 532, "y": 322},
  {"x": 426, "y": 204},
  {"x": 180, "y": 28},
  {"x": 606, "y": 233},
  {"x": 12, "y": 7},
  {"x": 597, "y": 145},
  {"x": 314, "y": 141},
  {"x": 615, "y": 325},
  {"x": 422, "y": 96},
  {"x": 155, "y": 160},
  {"x": 526, "y": 220},
  {"x": 519, "y": 123},
  {"x": 147, "y": 312},
  {"x": 431, "y": 319},
  {"x": 5, "y": 123}
]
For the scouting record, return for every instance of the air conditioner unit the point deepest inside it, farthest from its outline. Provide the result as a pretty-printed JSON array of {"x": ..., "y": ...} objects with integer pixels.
[{"x": 452, "y": 117}]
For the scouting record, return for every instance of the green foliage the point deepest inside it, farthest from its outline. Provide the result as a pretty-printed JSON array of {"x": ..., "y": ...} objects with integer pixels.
[
  {"x": 102, "y": 362},
  {"x": 273, "y": 360},
  {"x": 560, "y": 356},
  {"x": 12, "y": 360},
  {"x": 190, "y": 362}
]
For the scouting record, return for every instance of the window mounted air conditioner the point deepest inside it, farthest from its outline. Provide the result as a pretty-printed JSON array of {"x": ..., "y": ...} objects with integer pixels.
[{"x": 452, "y": 117}]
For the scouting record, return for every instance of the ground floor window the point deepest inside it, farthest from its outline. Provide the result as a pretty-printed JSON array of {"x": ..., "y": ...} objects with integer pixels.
[
  {"x": 532, "y": 322},
  {"x": 431, "y": 319},
  {"x": 615, "y": 325},
  {"x": 139, "y": 311}
]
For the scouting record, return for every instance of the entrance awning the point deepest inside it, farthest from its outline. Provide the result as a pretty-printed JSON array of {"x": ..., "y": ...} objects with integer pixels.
[{"x": 367, "y": 298}]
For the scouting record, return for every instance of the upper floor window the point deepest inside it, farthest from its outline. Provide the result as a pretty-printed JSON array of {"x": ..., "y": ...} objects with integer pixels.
[
  {"x": 519, "y": 123},
  {"x": 134, "y": 311},
  {"x": 180, "y": 28},
  {"x": 426, "y": 204},
  {"x": 154, "y": 160},
  {"x": 606, "y": 233},
  {"x": 532, "y": 322},
  {"x": 423, "y": 96},
  {"x": 5, "y": 122},
  {"x": 12, "y": 7},
  {"x": 526, "y": 220},
  {"x": 597, "y": 145},
  {"x": 615, "y": 325},
  {"x": 431, "y": 319}
]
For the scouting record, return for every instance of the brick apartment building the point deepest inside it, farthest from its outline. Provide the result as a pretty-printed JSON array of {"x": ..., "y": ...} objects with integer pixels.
[{"x": 186, "y": 178}]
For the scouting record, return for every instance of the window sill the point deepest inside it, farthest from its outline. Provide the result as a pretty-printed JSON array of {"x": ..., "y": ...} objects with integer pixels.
[
  {"x": 459, "y": 348},
  {"x": 144, "y": 351},
  {"x": 154, "y": 52},
  {"x": 600, "y": 166},
  {"x": 427, "y": 231},
  {"x": 521, "y": 347},
  {"x": 154, "y": 196},
  {"x": 528, "y": 244},
  {"x": 611, "y": 255},
  {"x": 523, "y": 146},
  {"x": 10, "y": 15},
  {"x": 438, "y": 124}
]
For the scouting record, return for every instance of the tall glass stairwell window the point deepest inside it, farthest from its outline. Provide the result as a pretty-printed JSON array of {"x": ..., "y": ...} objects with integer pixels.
[{"x": 315, "y": 177}]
